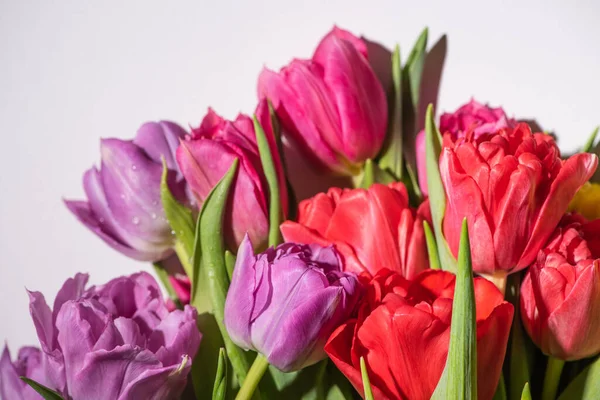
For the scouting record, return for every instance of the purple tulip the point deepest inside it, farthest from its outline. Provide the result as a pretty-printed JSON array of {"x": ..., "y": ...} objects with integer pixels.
[
  {"x": 285, "y": 302},
  {"x": 208, "y": 154},
  {"x": 124, "y": 207},
  {"x": 116, "y": 341},
  {"x": 332, "y": 106},
  {"x": 29, "y": 364}
]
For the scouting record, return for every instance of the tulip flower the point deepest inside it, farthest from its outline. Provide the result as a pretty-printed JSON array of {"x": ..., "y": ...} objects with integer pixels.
[
  {"x": 513, "y": 187},
  {"x": 207, "y": 155},
  {"x": 560, "y": 294},
  {"x": 285, "y": 302},
  {"x": 479, "y": 118},
  {"x": 123, "y": 204},
  {"x": 403, "y": 332},
  {"x": 28, "y": 364},
  {"x": 116, "y": 341},
  {"x": 372, "y": 229},
  {"x": 332, "y": 106}
]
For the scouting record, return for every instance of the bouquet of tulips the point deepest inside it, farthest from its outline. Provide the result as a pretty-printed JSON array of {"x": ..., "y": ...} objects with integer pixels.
[{"x": 339, "y": 243}]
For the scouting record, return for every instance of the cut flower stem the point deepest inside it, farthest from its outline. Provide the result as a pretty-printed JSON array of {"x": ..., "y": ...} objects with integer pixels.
[
  {"x": 552, "y": 378},
  {"x": 256, "y": 372}
]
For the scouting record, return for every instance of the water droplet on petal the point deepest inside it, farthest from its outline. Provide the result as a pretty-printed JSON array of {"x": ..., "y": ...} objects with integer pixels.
[
  {"x": 133, "y": 167},
  {"x": 123, "y": 196},
  {"x": 135, "y": 220},
  {"x": 153, "y": 215}
]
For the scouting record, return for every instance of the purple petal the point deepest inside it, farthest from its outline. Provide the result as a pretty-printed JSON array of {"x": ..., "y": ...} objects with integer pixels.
[
  {"x": 85, "y": 215},
  {"x": 72, "y": 289},
  {"x": 42, "y": 319},
  {"x": 240, "y": 299},
  {"x": 11, "y": 387},
  {"x": 105, "y": 374},
  {"x": 131, "y": 184},
  {"x": 160, "y": 139},
  {"x": 160, "y": 384},
  {"x": 176, "y": 336},
  {"x": 130, "y": 332},
  {"x": 79, "y": 325}
]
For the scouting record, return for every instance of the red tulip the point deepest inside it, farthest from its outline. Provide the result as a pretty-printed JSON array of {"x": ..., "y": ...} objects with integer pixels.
[
  {"x": 513, "y": 187},
  {"x": 332, "y": 106},
  {"x": 560, "y": 295},
  {"x": 207, "y": 155},
  {"x": 403, "y": 332},
  {"x": 372, "y": 229}
]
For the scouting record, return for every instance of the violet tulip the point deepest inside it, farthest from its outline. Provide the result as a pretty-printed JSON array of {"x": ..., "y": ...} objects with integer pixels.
[
  {"x": 333, "y": 105},
  {"x": 285, "y": 302},
  {"x": 205, "y": 157},
  {"x": 29, "y": 364},
  {"x": 560, "y": 295},
  {"x": 123, "y": 204},
  {"x": 116, "y": 341}
]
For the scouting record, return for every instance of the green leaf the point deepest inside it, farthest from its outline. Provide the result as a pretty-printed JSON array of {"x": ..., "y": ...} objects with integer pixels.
[
  {"x": 586, "y": 386},
  {"x": 411, "y": 82},
  {"x": 229, "y": 263},
  {"x": 589, "y": 145},
  {"x": 205, "y": 364},
  {"x": 182, "y": 223},
  {"x": 163, "y": 276},
  {"x": 214, "y": 266},
  {"x": 392, "y": 157},
  {"x": 220, "y": 386},
  {"x": 373, "y": 174},
  {"x": 365, "y": 378},
  {"x": 266, "y": 158},
  {"x": 412, "y": 185},
  {"x": 46, "y": 393},
  {"x": 500, "y": 393},
  {"x": 526, "y": 394},
  {"x": 437, "y": 195},
  {"x": 459, "y": 379},
  {"x": 434, "y": 261}
]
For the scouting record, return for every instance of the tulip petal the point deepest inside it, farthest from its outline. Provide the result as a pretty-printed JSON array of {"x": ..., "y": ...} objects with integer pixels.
[
  {"x": 359, "y": 99},
  {"x": 11, "y": 387},
  {"x": 165, "y": 383},
  {"x": 177, "y": 334},
  {"x": 239, "y": 303},
  {"x": 575, "y": 171},
  {"x": 160, "y": 139}
]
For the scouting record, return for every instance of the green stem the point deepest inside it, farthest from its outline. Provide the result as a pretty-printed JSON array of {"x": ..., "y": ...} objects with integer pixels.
[
  {"x": 256, "y": 372},
  {"x": 552, "y": 378},
  {"x": 163, "y": 276}
]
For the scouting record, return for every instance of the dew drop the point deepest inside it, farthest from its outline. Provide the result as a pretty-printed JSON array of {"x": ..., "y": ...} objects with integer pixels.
[
  {"x": 135, "y": 220},
  {"x": 153, "y": 215},
  {"x": 101, "y": 220},
  {"x": 123, "y": 196},
  {"x": 134, "y": 167},
  {"x": 173, "y": 232}
]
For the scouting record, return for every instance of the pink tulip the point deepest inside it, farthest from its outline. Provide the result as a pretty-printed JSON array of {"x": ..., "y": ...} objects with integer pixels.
[
  {"x": 207, "y": 155},
  {"x": 332, "y": 106}
]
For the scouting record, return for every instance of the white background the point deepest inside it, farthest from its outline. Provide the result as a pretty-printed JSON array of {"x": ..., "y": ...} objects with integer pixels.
[{"x": 74, "y": 71}]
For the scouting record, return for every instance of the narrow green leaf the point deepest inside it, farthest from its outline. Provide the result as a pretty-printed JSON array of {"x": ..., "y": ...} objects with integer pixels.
[
  {"x": 46, "y": 393},
  {"x": 586, "y": 386},
  {"x": 213, "y": 263},
  {"x": 220, "y": 386},
  {"x": 411, "y": 77},
  {"x": 266, "y": 158},
  {"x": 365, "y": 379},
  {"x": 392, "y": 157},
  {"x": 163, "y": 276},
  {"x": 500, "y": 393},
  {"x": 182, "y": 223},
  {"x": 368, "y": 177},
  {"x": 526, "y": 395},
  {"x": 520, "y": 349},
  {"x": 589, "y": 145},
  {"x": 437, "y": 195},
  {"x": 412, "y": 185},
  {"x": 434, "y": 261},
  {"x": 205, "y": 364},
  {"x": 414, "y": 63},
  {"x": 459, "y": 379},
  {"x": 229, "y": 263}
]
